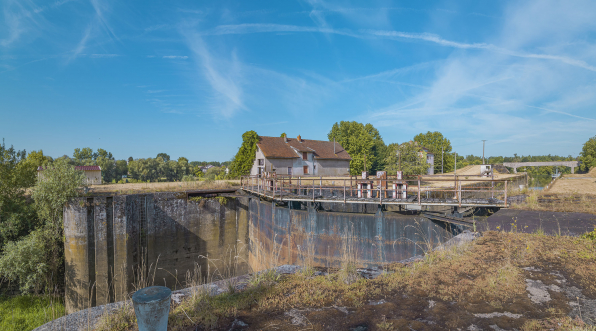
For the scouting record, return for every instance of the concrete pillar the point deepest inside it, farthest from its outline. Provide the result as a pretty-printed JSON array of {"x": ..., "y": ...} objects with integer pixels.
[
  {"x": 514, "y": 170},
  {"x": 572, "y": 169},
  {"x": 76, "y": 249},
  {"x": 101, "y": 252}
]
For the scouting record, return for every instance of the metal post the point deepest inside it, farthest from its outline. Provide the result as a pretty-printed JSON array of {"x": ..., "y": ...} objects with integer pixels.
[
  {"x": 344, "y": 191},
  {"x": 418, "y": 189},
  {"x": 442, "y": 156},
  {"x": 455, "y": 172},
  {"x": 321, "y": 185},
  {"x": 505, "y": 193},
  {"x": 459, "y": 196},
  {"x": 381, "y": 193},
  {"x": 483, "y": 151},
  {"x": 274, "y": 187},
  {"x": 313, "y": 190}
]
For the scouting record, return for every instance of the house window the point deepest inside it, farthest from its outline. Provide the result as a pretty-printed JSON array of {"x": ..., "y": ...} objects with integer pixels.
[
  {"x": 306, "y": 170},
  {"x": 261, "y": 162},
  {"x": 304, "y": 156},
  {"x": 290, "y": 171}
]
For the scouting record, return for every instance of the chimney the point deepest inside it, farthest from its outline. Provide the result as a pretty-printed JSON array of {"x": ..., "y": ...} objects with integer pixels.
[
  {"x": 285, "y": 138},
  {"x": 299, "y": 138}
]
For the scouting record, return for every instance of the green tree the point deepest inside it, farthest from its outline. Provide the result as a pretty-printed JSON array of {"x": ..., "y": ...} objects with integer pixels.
[
  {"x": 245, "y": 157},
  {"x": 360, "y": 140},
  {"x": 121, "y": 169},
  {"x": 36, "y": 261},
  {"x": 108, "y": 168},
  {"x": 83, "y": 154},
  {"x": 17, "y": 216},
  {"x": 103, "y": 153},
  {"x": 410, "y": 155},
  {"x": 588, "y": 155},
  {"x": 164, "y": 156},
  {"x": 440, "y": 147}
]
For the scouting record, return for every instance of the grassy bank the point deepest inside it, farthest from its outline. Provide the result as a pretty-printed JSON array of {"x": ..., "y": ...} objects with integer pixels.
[
  {"x": 492, "y": 281},
  {"x": 27, "y": 312}
]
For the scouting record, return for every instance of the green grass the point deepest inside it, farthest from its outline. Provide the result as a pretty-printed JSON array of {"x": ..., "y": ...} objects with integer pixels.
[{"x": 26, "y": 312}]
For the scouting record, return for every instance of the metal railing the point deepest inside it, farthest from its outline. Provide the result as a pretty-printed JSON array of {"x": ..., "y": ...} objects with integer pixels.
[{"x": 477, "y": 191}]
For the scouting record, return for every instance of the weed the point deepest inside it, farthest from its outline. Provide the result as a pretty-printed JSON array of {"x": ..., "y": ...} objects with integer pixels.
[{"x": 384, "y": 325}]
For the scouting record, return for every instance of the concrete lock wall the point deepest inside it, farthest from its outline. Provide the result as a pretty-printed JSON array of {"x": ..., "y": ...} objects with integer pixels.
[
  {"x": 283, "y": 235},
  {"x": 111, "y": 241}
]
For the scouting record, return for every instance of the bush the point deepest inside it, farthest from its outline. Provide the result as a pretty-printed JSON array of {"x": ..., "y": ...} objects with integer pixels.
[
  {"x": 37, "y": 260},
  {"x": 26, "y": 261}
]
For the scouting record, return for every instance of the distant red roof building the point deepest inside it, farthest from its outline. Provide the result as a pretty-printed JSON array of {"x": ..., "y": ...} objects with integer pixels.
[
  {"x": 93, "y": 173},
  {"x": 83, "y": 168}
]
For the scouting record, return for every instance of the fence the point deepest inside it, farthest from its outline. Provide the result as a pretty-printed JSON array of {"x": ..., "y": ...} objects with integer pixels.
[{"x": 421, "y": 190}]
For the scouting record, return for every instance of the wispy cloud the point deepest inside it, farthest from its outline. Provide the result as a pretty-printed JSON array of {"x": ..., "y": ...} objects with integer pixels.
[
  {"x": 224, "y": 77},
  {"x": 98, "y": 26},
  {"x": 395, "y": 35},
  {"x": 180, "y": 57},
  {"x": 82, "y": 43},
  {"x": 24, "y": 16},
  {"x": 96, "y": 56}
]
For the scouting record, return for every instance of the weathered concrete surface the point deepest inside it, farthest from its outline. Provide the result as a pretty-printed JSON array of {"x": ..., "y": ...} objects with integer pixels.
[
  {"x": 282, "y": 235},
  {"x": 572, "y": 224},
  {"x": 111, "y": 242},
  {"x": 115, "y": 245}
]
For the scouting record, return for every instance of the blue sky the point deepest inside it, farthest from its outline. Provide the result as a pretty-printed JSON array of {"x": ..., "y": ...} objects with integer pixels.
[{"x": 189, "y": 77}]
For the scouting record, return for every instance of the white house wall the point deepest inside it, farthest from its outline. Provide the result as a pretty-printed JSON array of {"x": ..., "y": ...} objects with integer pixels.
[{"x": 332, "y": 167}]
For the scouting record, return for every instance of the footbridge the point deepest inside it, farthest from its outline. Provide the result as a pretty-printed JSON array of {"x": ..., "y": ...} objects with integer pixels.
[
  {"x": 411, "y": 192},
  {"x": 515, "y": 165}
]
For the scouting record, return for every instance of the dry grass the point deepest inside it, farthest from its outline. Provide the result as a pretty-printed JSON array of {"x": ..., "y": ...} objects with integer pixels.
[
  {"x": 131, "y": 188},
  {"x": 570, "y": 202},
  {"x": 483, "y": 276},
  {"x": 575, "y": 184}
]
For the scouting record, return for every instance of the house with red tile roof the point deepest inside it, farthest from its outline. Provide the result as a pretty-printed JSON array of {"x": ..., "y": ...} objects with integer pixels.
[
  {"x": 92, "y": 173},
  {"x": 300, "y": 157}
]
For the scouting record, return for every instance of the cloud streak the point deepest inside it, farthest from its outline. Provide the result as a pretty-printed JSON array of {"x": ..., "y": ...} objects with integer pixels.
[
  {"x": 395, "y": 35},
  {"x": 224, "y": 77}
]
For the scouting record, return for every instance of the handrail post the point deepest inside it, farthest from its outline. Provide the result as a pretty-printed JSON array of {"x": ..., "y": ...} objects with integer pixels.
[
  {"x": 381, "y": 193},
  {"x": 313, "y": 190},
  {"x": 274, "y": 187},
  {"x": 321, "y": 185},
  {"x": 459, "y": 188},
  {"x": 505, "y": 193},
  {"x": 344, "y": 191}
]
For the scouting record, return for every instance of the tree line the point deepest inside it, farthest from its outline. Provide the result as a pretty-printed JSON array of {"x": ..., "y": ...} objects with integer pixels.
[
  {"x": 160, "y": 168},
  {"x": 368, "y": 151}
]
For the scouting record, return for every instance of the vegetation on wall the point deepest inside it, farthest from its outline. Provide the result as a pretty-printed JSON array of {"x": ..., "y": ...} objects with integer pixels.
[{"x": 245, "y": 157}]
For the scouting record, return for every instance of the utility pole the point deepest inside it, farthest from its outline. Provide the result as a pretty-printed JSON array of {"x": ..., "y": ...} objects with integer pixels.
[{"x": 483, "y": 151}]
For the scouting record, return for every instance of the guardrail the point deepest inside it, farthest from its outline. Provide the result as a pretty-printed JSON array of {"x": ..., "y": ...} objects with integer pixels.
[{"x": 463, "y": 192}]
